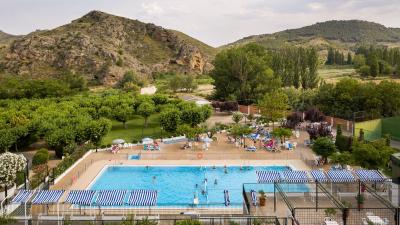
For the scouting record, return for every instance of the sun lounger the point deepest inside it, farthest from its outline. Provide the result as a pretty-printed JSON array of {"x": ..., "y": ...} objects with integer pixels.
[{"x": 251, "y": 149}]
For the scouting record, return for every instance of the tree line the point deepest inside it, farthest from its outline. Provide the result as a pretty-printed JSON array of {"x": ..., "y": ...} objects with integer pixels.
[
  {"x": 336, "y": 57},
  {"x": 374, "y": 61},
  {"x": 246, "y": 73}
]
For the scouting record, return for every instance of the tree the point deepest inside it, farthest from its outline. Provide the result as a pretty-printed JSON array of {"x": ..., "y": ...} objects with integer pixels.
[
  {"x": 129, "y": 79},
  {"x": 342, "y": 158},
  {"x": 324, "y": 147},
  {"x": 170, "y": 119},
  {"x": 274, "y": 105},
  {"x": 122, "y": 113},
  {"x": 330, "y": 59},
  {"x": 237, "y": 117},
  {"x": 238, "y": 130},
  {"x": 371, "y": 157},
  {"x": 242, "y": 74},
  {"x": 190, "y": 132},
  {"x": 145, "y": 109},
  {"x": 282, "y": 133},
  {"x": 349, "y": 59},
  {"x": 364, "y": 70},
  {"x": 374, "y": 65},
  {"x": 359, "y": 60}
]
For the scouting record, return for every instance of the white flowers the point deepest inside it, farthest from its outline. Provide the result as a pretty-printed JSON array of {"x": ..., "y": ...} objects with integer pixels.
[{"x": 10, "y": 164}]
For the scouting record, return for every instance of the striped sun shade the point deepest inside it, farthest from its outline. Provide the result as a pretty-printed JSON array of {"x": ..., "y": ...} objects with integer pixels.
[
  {"x": 370, "y": 176},
  {"x": 111, "y": 197},
  {"x": 295, "y": 176},
  {"x": 143, "y": 198},
  {"x": 81, "y": 197},
  {"x": 47, "y": 197},
  {"x": 319, "y": 175},
  {"x": 23, "y": 196},
  {"x": 268, "y": 176},
  {"x": 340, "y": 176}
]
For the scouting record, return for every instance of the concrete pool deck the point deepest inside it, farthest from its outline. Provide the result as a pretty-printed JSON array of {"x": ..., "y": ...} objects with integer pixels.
[{"x": 220, "y": 153}]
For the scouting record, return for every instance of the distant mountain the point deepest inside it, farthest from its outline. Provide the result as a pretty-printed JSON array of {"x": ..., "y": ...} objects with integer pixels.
[
  {"x": 340, "y": 34},
  {"x": 103, "y": 47}
]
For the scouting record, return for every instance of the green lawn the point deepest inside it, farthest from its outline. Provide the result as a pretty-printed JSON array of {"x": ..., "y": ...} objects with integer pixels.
[{"x": 134, "y": 130}]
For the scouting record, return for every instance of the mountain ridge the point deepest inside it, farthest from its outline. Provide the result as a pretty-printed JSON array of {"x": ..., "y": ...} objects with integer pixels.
[
  {"x": 103, "y": 47},
  {"x": 344, "y": 33}
]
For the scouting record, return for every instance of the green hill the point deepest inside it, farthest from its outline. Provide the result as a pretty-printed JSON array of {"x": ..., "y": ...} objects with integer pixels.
[{"x": 342, "y": 34}]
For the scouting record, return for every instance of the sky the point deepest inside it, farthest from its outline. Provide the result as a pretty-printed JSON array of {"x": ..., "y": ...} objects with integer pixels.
[{"x": 215, "y": 22}]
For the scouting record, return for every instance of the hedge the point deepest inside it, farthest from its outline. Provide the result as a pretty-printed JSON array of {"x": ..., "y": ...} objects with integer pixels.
[{"x": 40, "y": 157}]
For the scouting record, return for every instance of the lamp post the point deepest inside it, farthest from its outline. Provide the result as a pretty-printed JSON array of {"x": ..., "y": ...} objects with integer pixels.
[{"x": 26, "y": 174}]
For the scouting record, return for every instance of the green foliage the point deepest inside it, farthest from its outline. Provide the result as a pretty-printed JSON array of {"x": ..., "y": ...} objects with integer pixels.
[
  {"x": 182, "y": 82},
  {"x": 380, "y": 60},
  {"x": 40, "y": 157},
  {"x": 194, "y": 115},
  {"x": 6, "y": 220},
  {"x": 128, "y": 79},
  {"x": 373, "y": 155},
  {"x": 342, "y": 158},
  {"x": 300, "y": 99},
  {"x": 296, "y": 67},
  {"x": 188, "y": 222},
  {"x": 282, "y": 133},
  {"x": 343, "y": 143},
  {"x": 145, "y": 109},
  {"x": 243, "y": 74},
  {"x": 364, "y": 70},
  {"x": 170, "y": 119},
  {"x": 237, "y": 117},
  {"x": 238, "y": 130},
  {"x": 190, "y": 132},
  {"x": 16, "y": 87},
  {"x": 274, "y": 105},
  {"x": 349, "y": 96},
  {"x": 324, "y": 147},
  {"x": 146, "y": 221}
]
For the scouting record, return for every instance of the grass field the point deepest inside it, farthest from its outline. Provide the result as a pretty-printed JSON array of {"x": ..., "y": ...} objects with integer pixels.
[{"x": 133, "y": 132}]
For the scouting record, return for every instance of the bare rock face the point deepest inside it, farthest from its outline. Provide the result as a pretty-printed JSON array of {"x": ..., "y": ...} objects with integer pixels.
[{"x": 103, "y": 47}]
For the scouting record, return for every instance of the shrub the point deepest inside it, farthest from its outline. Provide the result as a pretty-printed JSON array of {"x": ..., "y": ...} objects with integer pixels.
[
  {"x": 188, "y": 222},
  {"x": 40, "y": 157},
  {"x": 324, "y": 147},
  {"x": 364, "y": 70},
  {"x": 343, "y": 143},
  {"x": 146, "y": 221}
]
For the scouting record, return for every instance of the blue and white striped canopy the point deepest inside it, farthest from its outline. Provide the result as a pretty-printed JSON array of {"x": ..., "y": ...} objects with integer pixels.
[
  {"x": 81, "y": 197},
  {"x": 369, "y": 176},
  {"x": 23, "y": 196},
  {"x": 268, "y": 176},
  {"x": 111, "y": 197},
  {"x": 47, "y": 197},
  {"x": 295, "y": 176},
  {"x": 253, "y": 197},
  {"x": 339, "y": 176},
  {"x": 226, "y": 198},
  {"x": 143, "y": 198},
  {"x": 319, "y": 176}
]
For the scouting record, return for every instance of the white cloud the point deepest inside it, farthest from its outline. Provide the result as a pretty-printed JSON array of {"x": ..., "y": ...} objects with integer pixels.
[{"x": 152, "y": 8}]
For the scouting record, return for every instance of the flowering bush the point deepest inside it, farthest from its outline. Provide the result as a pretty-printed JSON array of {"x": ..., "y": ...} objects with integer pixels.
[{"x": 10, "y": 164}]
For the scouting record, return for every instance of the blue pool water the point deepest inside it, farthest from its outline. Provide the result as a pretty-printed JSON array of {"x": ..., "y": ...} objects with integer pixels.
[{"x": 177, "y": 186}]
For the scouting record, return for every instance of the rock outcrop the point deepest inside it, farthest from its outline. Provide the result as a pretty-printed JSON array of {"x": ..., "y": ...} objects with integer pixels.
[{"x": 103, "y": 47}]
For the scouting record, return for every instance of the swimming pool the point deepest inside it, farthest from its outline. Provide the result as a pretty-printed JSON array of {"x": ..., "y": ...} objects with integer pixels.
[{"x": 177, "y": 185}]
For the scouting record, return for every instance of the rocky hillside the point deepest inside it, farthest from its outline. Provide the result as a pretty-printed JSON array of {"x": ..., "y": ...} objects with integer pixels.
[
  {"x": 343, "y": 34},
  {"x": 103, "y": 47}
]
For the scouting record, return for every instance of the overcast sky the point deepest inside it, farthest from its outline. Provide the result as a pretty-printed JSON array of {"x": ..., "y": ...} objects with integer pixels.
[{"x": 214, "y": 22}]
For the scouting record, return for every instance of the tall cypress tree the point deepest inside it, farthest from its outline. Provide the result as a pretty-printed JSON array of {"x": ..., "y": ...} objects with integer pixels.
[
  {"x": 331, "y": 56},
  {"x": 349, "y": 59}
]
